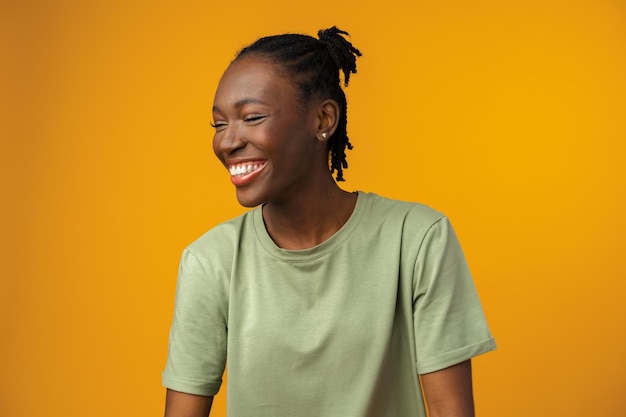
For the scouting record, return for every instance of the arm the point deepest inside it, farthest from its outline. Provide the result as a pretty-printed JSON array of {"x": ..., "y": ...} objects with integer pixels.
[
  {"x": 179, "y": 404},
  {"x": 448, "y": 392}
]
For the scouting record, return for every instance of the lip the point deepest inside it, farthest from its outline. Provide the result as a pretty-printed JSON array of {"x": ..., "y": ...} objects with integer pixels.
[{"x": 245, "y": 179}]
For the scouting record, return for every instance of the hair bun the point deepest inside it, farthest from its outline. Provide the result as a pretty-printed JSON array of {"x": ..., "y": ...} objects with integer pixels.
[{"x": 340, "y": 50}]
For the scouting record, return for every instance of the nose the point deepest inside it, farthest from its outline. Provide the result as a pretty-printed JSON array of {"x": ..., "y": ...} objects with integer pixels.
[{"x": 228, "y": 140}]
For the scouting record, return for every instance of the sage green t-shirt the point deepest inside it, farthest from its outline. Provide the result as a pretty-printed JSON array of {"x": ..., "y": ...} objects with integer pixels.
[{"x": 339, "y": 330}]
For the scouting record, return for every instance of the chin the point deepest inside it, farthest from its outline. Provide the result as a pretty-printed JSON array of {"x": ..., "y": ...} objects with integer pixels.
[{"x": 248, "y": 200}]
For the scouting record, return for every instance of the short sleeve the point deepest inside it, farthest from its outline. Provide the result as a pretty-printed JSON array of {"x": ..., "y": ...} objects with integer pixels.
[
  {"x": 197, "y": 341},
  {"x": 448, "y": 320}
]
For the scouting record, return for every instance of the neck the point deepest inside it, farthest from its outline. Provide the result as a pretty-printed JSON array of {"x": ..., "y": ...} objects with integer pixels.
[{"x": 310, "y": 220}]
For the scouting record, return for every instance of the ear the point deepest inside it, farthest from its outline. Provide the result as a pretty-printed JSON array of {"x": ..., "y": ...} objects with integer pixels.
[{"x": 327, "y": 119}]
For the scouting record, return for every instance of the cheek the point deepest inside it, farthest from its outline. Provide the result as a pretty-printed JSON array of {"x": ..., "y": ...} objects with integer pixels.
[
  {"x": 289, "y": 136},
  {"x": 216, "y": 146},
  {"x": 267, "y": 139}
]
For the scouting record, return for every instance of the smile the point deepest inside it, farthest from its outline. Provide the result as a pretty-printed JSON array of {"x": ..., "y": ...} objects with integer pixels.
[
  {"x": 243, "y": 173},
  {"x": 245, "y": 168}
]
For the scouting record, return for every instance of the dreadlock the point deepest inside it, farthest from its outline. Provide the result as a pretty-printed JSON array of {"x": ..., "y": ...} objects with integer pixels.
[{"x": 315, "y": 66}]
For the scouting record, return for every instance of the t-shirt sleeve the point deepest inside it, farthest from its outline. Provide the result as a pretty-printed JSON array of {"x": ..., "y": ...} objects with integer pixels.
[
  {"x": 197, "y": 341},
  {"x": 449, "y": 323}
]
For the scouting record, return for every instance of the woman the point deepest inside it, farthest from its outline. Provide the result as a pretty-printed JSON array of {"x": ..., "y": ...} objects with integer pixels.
[{"x": 326, "y": 302}]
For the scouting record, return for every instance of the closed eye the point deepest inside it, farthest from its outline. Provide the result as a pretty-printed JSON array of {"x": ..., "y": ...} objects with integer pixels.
[
  {"x": 254, "y": 118},
  {"x": 218, "y": 125}
]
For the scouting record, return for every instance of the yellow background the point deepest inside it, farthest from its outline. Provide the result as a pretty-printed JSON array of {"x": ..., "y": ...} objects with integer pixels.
[{"x": 507, "y": 116}]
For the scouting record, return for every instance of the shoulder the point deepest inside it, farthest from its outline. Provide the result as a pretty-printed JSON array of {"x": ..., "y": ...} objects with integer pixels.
[
  {"x": 411, "y": 214},
  {"x": 221, "y": 241},
  {"x": 413, "y": 225}
]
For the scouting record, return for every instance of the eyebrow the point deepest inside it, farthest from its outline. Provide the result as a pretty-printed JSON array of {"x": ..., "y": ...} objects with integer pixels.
[{"x": 241, "y": 102}]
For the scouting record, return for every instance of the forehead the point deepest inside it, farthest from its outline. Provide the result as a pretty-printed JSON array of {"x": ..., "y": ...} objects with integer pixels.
[{"x": 252, "y": 78}]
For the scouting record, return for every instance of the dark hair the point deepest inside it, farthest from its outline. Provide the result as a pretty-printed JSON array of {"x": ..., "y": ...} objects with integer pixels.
[{"x": 314, "y": 65}]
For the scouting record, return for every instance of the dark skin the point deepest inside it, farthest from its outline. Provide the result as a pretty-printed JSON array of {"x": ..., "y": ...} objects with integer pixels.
[
  {"x": 303, "y": 205},
  {"x": 448, "y": 392},
  {"x": 179, "y": 404},
  {"x": 262, "y": 122}
]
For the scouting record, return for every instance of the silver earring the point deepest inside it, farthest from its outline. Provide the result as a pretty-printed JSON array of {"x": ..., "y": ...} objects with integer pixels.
[{"x": 324, "y": 134}]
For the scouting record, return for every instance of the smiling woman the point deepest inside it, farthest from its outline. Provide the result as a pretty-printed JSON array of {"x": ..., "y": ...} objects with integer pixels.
[
  {"x": 324, "y": 301},
  {"x": 256, "y": 125}
]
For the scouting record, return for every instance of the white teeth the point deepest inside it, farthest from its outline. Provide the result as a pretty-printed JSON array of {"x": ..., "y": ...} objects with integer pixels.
[{"x": 242, "y": 169}]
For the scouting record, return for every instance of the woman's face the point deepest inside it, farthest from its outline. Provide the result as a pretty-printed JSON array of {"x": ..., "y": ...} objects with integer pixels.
[{"x": 264, "y": 134}]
